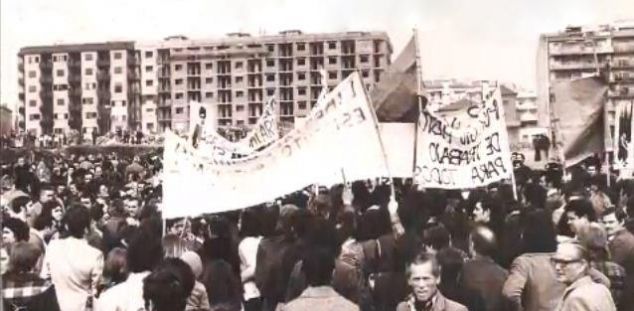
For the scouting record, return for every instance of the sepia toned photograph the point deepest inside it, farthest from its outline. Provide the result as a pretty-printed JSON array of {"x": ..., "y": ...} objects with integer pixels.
[{"x": 409, "y": 155}]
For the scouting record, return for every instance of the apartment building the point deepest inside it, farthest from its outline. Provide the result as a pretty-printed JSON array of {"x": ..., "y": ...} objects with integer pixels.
[
  {"x": 581, "y": 51},
  {"x": 84, "y": 87}
]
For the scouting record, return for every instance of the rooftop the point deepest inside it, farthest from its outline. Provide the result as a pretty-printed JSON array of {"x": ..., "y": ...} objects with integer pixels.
[{"x": 81, "y": 47}]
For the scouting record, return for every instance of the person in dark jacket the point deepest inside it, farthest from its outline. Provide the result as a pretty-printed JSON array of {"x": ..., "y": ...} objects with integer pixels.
[{"x": 21, "y": 288}]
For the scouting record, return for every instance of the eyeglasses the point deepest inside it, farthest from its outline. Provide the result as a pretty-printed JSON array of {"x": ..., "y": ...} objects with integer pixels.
[{"x": 563, "y": 262}]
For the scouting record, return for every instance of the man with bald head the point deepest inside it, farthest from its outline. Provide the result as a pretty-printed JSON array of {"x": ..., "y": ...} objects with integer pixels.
[
  {"x": 481, "y": 274},
  {"x": 582, "y": 293}
]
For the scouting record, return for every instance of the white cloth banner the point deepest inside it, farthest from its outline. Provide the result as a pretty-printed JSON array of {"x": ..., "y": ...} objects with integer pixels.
[
  {"x": 265, "y": 130},
  {"x": 339, "y": 135},
  {"x": 464, "y": 149}
]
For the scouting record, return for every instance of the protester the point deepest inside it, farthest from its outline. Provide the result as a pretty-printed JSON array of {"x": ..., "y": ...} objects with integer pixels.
[
  {"x": 582, "y": 293},
  {"x": 168, "y": 286}
]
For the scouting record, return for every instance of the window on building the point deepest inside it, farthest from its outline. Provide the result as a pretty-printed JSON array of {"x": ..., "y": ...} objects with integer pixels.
[
  {"x": 239, "y": 107},
  {"x": 88, "y": 56},
  {"x": 37, "y": 59},
  {"x": 301, "y": 105},
  {"x": 332, "y": 45},
  {"x": 88, "y": 71},
  {"x": 301, "y": 46},
  {"x": 301, "y": 76},
  {"x": 87, "y": 101},
  {"x": 332, "y": 60},
  {"x": 65, "y": 57},
  {"x": 118, "y": 55},
  {"x": 238, "y": 65},
  {"x": 209, "y": 95},
  {"x": 363, "y": 58},
  {"x": 365, "y": 74},
  {"x": 270, "y": 78},
  {"x": 149, "y": 68},
  {"x": 178, "y": 81},
  {"x": 149, "y": 82},
  {"x": 270, "y": 47},
  {"x": 178, "y": 67},
  {"x": 91, "y": 115},
  {"x": 118, "y": 70},
  {"x": 301, "y": 91},
  {"x": 66, "y": 116},
  {"x": 87, "y": 86},
  {"x": 60, "y": 102},
  {"x": 240, "y": 122},
  {"x": 179, "y": 110},
  {"x": 332, "y": 75},
  {"x": 209, "y": 65},
  {"x": 149, "y": 110},
  {"x": 32, "y": 103},
  {"x": 239, "y": 79},
  {"x": 123, "y": 103},
  {"x": 270, "y": 92},
  {"x": 239, "y": 94},
  {"x": 34, "y": 117},
  {"x": 118, "y": 88},
  {"x": 209, "y": 80},
  {"x": 56, "y": 116},
  {"x": 178, "y": 95},
  {"x": 54, "y": 58},
  {"x": 301, "y": 61},
  {"x": 124, "y": 117},
  {"x": 32, "y": 74},
  {"x": 59, "y": 72},
  {"x": 149, "y": 54},
  {"x": 270, "y": 62}
]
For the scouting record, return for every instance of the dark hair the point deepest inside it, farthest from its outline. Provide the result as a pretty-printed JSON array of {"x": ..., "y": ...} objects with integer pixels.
[
  {"x": 23, "y": 257},
  {"x": 18, "y": 203},
  {"x": 484, "y": 241},
  {"x": 538, "y": 233},
  {"x": 115, "y": 268},
  {"x": 168, "y": 286},
  {"x": 144, "y": 251},
  {"x": 77, "y": 220},
  {"x": 250, "y": 223},
  {"x": 436, "y": 236},
  {"x": 423, "y": 258},
  {"x": 581, "y": 208},
  {"x": 19, "y": 228},
  {"x": 318, "y": 263}
]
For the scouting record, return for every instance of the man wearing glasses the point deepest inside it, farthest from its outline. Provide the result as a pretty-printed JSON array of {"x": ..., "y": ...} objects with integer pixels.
[{"x": 582, "y": 293}]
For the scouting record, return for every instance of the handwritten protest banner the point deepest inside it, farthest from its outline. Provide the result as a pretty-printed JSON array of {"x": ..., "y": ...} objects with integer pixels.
[
  {"x": 339, "y": 134},
  {"x": 463, "y": 149},
  {"x": 265, "y": 130}
]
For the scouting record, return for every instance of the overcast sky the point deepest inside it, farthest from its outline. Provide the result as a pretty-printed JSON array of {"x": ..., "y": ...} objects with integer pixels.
[{"x": 472, "y": 39}]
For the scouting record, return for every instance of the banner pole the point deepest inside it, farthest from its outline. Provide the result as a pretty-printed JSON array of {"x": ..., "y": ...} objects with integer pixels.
[{"x": 419, "y": 96}]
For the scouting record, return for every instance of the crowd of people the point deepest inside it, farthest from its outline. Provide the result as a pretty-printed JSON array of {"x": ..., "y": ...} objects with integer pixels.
[{"x": 84, "y": 232}]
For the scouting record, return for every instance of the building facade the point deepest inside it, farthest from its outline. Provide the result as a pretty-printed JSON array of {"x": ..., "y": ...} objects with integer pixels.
[
  {"x": 148, "y": 85},
  {"x": 582, "y": 51},
  {"x": 6, "y": 120},
  {"x": 78, "y": 87}
]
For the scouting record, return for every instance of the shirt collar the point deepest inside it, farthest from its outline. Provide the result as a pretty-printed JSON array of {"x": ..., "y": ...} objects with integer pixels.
[{"x": 319, "y": 291}]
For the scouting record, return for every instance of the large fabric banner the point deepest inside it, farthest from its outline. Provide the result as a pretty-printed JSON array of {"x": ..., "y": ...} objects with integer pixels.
[
  {"x": 464, "y": 148},
  {"x": 265, "y": 130},
  {"x": 624, "y": 128},
  {"x": 339, "y": 136}
]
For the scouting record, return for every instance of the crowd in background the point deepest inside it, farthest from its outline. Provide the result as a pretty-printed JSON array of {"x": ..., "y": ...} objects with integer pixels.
[{"x": 85, "y": 233}]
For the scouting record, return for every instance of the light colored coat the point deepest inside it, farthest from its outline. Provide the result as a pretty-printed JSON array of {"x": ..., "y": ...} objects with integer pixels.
[
  {"x": 586, "y": 295},
  {"x": 126, "y": 296},
  {"x": 323, "y": 298},
  {"x": 75, "y": 269}
]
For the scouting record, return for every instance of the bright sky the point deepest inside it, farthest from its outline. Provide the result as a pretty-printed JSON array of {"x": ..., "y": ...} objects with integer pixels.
[{"x": 472, "y": 39}]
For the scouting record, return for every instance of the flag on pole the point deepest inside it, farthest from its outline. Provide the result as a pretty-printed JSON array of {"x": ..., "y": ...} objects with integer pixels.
[
  {"x": 395, "y": 97},
  {"x": 578, "y": 107}
]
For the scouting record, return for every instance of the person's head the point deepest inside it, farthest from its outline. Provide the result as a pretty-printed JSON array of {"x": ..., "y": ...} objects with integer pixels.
[
  {"x": 318, "y": 264},
  {"x": 570, "y": 262},
  {"x": 14, "y": 230},
  {"x": 178, "y": 227},
  {"x": 23, "y": 257},
  {"x": 144, "y": 251},
  {"x": 436, "y": 238},
  {"x": 88, "y": 178},
  {"x": 168, "y": 286},
  {"x": 56, "y": 210},
  {"x": 481, "y": 213},
  {"x": 47, "y": 193},
  {"x": 249, "y": 223},
  {"x": 538, "y": 232},
  {"x": 579, "y": 214},
  {"x": 423, "y": 276},
  {"x": 77, "y": 221},
  {"x": 482, "y": 241},
  {"x": 115, "y": 267},
  {"x": 612, "y": 221},
  {"x": 21, "y": 161},
  {"x": 73, "y": 189},
  {"x": 18, "y": 207},
  {"x": 592, "y": 170},
  {"x": 132, "y": 207},
  {"x": 98, "y": 171},
  {"x": 60, "y": 189},
  {"x": 194, "y": 262},
  {"x": 595, "y": 240},
  {"x": 104, "y": 192}
]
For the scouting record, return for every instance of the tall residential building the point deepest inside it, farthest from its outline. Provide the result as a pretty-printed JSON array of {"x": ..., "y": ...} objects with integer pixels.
[
  {"x": 83, "y": 87},
  {"x": 148, "y": 85},
  {"x": 581, "y": 51}
]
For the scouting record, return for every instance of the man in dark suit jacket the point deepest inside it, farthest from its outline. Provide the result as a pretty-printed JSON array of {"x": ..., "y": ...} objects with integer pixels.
[{"x": 481, "y": 274}]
